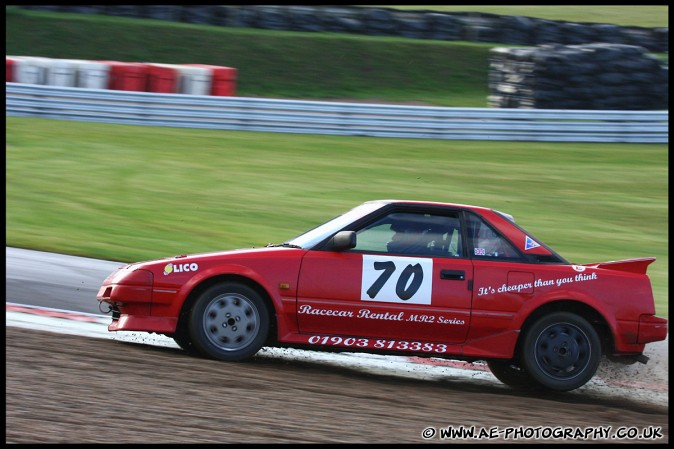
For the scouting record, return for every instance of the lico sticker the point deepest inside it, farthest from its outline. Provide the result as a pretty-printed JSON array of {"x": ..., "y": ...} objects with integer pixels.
[
  {"x": 180, "y": 268},
  {"x": 405, "y": 280}
]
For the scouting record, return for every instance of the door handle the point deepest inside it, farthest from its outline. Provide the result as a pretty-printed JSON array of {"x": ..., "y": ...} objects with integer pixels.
[{"x": 457, "y": 275}]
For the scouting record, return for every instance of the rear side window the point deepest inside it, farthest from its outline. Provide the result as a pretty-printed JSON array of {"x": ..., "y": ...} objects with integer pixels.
[{"x": 485, "y": 242}]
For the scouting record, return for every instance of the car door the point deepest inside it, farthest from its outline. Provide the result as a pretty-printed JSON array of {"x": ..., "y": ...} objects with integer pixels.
[
  {"x": 503, "y": 281},
  {"x": 383, "y": 288}
]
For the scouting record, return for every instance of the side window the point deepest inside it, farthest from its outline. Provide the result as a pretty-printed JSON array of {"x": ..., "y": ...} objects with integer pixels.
[
  {"x": 374, "y": 237},
  {"x": 484, "y": 241},
  {"x": 406, "y": 233}
]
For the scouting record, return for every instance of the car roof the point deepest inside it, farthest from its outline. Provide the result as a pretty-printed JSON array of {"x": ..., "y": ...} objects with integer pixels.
[
  {"x": 441, "y": 204},
  {"x": 436, "y": 203}
]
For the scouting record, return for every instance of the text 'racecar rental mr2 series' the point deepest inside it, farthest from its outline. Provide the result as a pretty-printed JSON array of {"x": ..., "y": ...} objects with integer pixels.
[{"x": 401, "y": 277}]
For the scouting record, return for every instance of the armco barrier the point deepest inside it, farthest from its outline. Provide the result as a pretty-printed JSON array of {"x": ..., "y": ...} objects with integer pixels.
[{"x": 347, "y": 119}]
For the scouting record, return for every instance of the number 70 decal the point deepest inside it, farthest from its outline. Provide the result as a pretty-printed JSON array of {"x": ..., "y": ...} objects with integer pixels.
[{"x": 405, "y": 280}]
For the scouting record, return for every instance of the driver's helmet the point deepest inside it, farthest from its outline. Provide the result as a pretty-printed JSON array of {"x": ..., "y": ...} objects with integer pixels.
[{"x": 409, "y": 237}]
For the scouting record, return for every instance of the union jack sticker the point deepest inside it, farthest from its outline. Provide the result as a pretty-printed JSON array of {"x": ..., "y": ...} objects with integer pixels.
[
  {"x": 530, "y": 244},
  {"x": 480, "y": 252}
]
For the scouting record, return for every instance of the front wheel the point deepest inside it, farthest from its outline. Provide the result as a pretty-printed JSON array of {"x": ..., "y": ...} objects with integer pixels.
[
  {"x": 561, "y": 351},
  {"x": 229, "y": 322},
  {"x": 182, "y": 338},
  {"x": 512, "y": 374}
]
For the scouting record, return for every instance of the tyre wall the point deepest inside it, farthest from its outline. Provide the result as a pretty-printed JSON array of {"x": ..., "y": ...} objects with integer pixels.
[
  {"x": 421, "y": 24},
  {"x": 597, "y": 76}
]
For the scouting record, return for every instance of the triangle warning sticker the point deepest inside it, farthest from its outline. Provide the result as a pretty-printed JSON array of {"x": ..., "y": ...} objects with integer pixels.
[{"x": 530, "y": 244}]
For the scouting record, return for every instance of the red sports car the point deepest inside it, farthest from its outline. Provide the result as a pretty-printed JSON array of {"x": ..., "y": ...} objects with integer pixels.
[{"x": 401, "y": 277}]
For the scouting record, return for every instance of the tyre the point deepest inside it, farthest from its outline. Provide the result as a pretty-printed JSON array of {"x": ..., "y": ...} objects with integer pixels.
[
  {"x": 561, "y": 351},
  {"x": 512, "y": 374},
  {"x": 182, "y": 338},
  {"x": 229, "y": 322}
]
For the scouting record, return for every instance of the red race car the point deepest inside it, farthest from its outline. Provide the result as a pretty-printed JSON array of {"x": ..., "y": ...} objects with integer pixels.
[{"x": 401, "y": 277}]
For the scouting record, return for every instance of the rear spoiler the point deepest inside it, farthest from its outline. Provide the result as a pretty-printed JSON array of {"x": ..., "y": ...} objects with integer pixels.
[{"x": 631, "y": 265}]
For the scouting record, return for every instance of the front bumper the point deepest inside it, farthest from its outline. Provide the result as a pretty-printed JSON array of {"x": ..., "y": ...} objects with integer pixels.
[
  {"x": 162, "y": 325},
  {"x": 129, "y": 295}
]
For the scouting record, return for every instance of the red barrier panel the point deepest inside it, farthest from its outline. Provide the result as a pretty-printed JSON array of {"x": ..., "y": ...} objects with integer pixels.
[
  {"x": 9, "y": 67},
  {"x": 150, "y": 77},
  {"x": 130, "y": 76},
  {"x": 223, "y": 80},
  {"x": 162, "y": 78}
]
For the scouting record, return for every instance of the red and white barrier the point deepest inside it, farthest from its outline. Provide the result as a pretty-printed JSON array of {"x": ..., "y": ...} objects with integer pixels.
[{"x": 189, "y": 79}]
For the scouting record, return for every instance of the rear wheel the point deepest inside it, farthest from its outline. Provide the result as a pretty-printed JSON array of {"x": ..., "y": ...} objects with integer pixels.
[
  {"x": 561, "y": 351},
  {"x": 229, "y": 322}
]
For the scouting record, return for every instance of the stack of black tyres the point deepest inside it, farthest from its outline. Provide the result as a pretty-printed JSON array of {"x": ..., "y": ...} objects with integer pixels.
[
  {"x": 598, "y": 76},
  {"x": 416, "y": 24}
]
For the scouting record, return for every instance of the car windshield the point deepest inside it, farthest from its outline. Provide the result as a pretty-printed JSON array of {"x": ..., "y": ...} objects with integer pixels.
[{"x": 312, "y": 237}]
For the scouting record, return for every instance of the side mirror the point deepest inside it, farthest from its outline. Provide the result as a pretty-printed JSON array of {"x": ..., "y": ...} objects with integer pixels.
[{"x": 343, "y": 240}]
